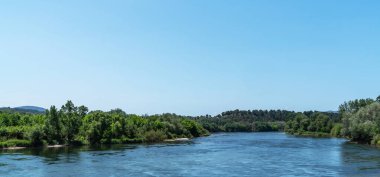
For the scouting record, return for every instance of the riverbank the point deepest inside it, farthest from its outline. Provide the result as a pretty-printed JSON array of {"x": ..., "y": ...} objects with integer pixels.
[
  {"x": 16, "y": 146},
  {"x": 312, "y": 134},
  {"x": 177, "y": 140}
]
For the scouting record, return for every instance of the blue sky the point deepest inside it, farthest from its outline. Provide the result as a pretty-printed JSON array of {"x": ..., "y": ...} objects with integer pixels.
[{"x": 189, "y": 57}]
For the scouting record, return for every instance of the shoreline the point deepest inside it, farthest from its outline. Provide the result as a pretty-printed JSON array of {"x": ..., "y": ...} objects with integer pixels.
[
  {"x": 65, "y": 145},
  {"x": 307, "y": 135},
  {"x": 15, "y": 148},
  {"x": 177, "y": 140}
]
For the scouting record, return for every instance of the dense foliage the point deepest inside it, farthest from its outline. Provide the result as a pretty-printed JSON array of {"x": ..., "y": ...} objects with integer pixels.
[
  {"x": 74, "y": 125},
  {"x": 359, "y": 120},
  {"x": 247, "y": 121},
  {"x": 314, "y": 124}
]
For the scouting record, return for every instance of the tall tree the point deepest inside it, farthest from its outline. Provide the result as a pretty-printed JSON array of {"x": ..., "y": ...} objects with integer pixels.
[
  {"x": 71, "y": 119},
  {"x": 53, "y": 126}
]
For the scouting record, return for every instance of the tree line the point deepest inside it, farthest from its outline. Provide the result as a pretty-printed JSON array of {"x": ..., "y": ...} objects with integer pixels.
[
  {"x": 246, "y": 121},
  {"x": 74, "y": 125},
  {"x": 358, "y": 120},
  {"x": 254, "y": 120}
]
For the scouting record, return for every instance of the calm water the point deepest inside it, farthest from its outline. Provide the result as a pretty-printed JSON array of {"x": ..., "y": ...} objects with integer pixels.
[{"x": 229, "y": 154}]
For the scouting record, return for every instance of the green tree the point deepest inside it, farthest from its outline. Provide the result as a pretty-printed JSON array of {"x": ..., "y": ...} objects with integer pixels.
[
  {"x": 364, "y": 124},
  {"x": 96, "y": 127},
  {"x": 36, "y": 135},
  {"x": 71, "y": 120},
  {"x": 352, "y": 107},
  {"x": 53, "y": 126}
]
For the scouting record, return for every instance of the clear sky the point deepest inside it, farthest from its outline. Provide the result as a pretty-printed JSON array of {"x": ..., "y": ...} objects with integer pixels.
[{"x": 189, "y": 57}]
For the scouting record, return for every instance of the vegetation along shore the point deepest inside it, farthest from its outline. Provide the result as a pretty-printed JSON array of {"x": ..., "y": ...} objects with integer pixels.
[{"x": 357, "y": 120}]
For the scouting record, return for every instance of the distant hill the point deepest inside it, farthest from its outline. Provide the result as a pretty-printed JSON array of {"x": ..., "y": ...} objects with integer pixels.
[
  {"x": 335, "y": 112},
  {"x": 24, "y": 109},
  {"x": 35, "y": 108}
]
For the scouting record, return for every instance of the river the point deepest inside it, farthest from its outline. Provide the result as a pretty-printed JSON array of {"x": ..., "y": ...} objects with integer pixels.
[{"x": 219, "y": 155}]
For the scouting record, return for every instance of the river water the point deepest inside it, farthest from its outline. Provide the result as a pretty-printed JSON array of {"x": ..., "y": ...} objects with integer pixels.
[{"x": 223, "y": 154}]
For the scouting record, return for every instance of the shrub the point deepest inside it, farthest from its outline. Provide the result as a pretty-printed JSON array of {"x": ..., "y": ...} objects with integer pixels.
[
  {"x": 376, "y": 140},
  {"x": 15, "y": 142},
  {"x": 194, "y": 128},
  {"x": 336, "y": 130},
  {"x": 36, "y": 135},
  {"x": 154, "y": 136}
]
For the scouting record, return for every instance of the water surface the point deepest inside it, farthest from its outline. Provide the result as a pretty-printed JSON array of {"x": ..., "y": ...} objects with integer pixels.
[{"x": 224, "y": 154}]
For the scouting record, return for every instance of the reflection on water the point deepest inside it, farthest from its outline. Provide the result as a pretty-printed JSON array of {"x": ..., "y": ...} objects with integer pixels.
[
  {"x": 226, "y": 154},
  {"x": 365, "y": 159}
]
